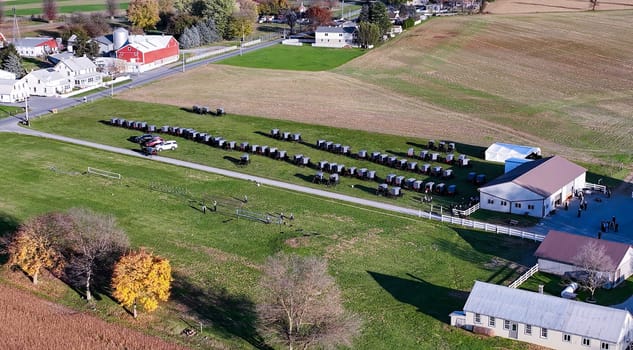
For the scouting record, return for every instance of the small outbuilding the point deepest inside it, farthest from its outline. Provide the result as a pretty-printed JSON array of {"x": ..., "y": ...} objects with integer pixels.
[{"x": 557, "y": 252}]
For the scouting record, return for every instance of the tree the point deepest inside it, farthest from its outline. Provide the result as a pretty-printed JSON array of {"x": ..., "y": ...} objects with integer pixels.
[
  {"x": 378, "y": 15},
  {"x": 272, "y": 7},
  {"x": 368, "y": 34},
  {"x": 93, "y": 247},
  {"x": 143, "y": 13},
  {"x": 36, "y": 244},
  {"x": 593, "y": 4},
  {"x": 165, "y": 6},
  {"x": 219, "y": 10},
  {"x": 190, "y": 38},
  {"x": 49, "y": 7},
  {"x": 239, "y": 27},
  {"x": 302, "y": 304},
  {"x": 595, "y": 263},
  {"x": 291, "y": 19},
  {"x": 207, "y": 32},
  {"x": 177, "y": 23},
  {"x": 363, "y": 16},
  {"x": 141, "y": 278},
  {"x": 112, "y": 6},
  {"x": 85, "y": 46},
  {"x": 13, "y": 63},
  {"x": 319, "y": 16}
]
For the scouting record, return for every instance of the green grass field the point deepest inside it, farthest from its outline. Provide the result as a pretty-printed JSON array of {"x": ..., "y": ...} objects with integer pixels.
[
  {"x": 34, "y": 7},
  {"x": 403, "y": 276},
  {"x": 83, "y": 123},
  {"x": 302, "y": 58}
]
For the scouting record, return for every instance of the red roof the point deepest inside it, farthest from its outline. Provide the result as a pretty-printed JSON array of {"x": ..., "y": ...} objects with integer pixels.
[{"x": 563, "y": 247}]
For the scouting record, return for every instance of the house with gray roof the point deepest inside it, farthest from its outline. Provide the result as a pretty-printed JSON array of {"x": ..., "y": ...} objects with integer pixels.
[
  {"x": 544, "y": 320},
  {"x": 81, "y": 70},
  {"x": 13, "y": 90},
  {"x": 535, "y": 188},
  {"x": 337, "y": 37},
  {"x": 48, "y": 82},
  {"x": 557, "y": 253},
  {"x": 36, "y": 46}
]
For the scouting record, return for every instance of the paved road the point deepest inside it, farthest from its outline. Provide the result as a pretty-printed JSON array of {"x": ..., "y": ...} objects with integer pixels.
[{"x": 14, "y": 128}]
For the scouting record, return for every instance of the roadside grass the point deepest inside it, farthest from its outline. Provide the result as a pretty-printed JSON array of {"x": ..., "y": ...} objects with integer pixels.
[
  {"x": 34, "y": 7},
  {"x": 402, "y": 275},
  {"x": 82, "y": 122},
  {"x": 553, "y": 285},
  {"x": 301, "y": 58},
  {"x": 6, "y": 111}
]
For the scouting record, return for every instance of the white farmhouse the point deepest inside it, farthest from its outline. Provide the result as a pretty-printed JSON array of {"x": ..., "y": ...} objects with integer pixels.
[
  {"x": 13, "y": 90},
  {"x": 36, "y": 47},
  {"x": 535, "y": 188},
  {"x": 81, "y": 70},
  {"x": 557, "y": 252},
  {"x": 48, "y": 82},
  {"x": 544, "y": 320},
  {"x": 337, "y": 37}
]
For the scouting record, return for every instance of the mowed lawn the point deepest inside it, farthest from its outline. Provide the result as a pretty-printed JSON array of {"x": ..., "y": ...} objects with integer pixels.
[
  {"x": 34, "y": 7},
  {"x": 301, "y": 58},
  {"x": 402, "y": 276},
  {"x": 82, "y": 122}
]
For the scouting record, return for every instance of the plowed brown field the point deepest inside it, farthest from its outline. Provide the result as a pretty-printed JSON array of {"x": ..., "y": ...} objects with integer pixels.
[
  {"x": 32, "y": 323},
  {"x": 560, "y": 81},
  {"x": 533, "y": 6}
]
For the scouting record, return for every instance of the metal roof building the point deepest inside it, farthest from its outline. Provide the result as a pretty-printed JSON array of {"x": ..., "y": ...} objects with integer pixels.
[
  {"x": 499, "y": 152},
  {"x": 546, "y": 320}
]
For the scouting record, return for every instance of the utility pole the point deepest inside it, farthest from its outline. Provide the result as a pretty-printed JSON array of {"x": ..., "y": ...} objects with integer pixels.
[
  {"x": 183, "y": 62},
  {"x": 26, "y": 101}
]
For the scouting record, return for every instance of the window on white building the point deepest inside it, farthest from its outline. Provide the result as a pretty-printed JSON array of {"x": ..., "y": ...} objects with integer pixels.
[
  {"x": 586, "y": 341},
  {"x": 604, "y": 346},
  {"x": 531, "y": 206},
  {"x": 491, "y": 321},
  {"x": 528, "y": 329},
  {"x": 517, "y": 205},
  {"x": 477, "y": 318},
  {"x": 504, "y": 203},
  {"x": 566, "y": 338},
  {"x": 543, "y": 332},
  {"x": 491, "y": 201},
  {"x": 506, "y": 324}
]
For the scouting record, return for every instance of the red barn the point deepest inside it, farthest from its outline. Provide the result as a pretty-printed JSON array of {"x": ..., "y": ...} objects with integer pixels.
[{"x": 146, "y": 52}]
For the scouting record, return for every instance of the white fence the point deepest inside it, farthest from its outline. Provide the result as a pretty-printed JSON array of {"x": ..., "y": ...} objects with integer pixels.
[
  {"x": 487, "y": 227},
  {"x": 104, "y": 173},
  {"x": 524, "y": 277},
  {"x": 466, "y": 212},
  {"x": 595, "y": 187},
  {"x": 210, "y": 53},
  {"x": 252, "y": 42}
]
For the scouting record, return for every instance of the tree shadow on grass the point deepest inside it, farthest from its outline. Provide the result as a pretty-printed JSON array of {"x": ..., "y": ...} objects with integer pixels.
[
  {"x": 8, "y": 225},
  {"x": 233, "y": 315},
  {"x": 518, "y": 250},
  {"x": 435, "y": 301}
]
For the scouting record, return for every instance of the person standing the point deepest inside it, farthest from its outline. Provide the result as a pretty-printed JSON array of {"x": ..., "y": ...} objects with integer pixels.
[
  {"x": 204, "y": 208},
  {"x": 215, "y": 205}
]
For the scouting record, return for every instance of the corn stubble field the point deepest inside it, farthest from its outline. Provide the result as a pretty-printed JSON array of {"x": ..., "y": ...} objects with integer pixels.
[{"x": 558, "y": 80}]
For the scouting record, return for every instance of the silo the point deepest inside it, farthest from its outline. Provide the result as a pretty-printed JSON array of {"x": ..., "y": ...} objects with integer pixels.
[{"x": 119, "y": 37}]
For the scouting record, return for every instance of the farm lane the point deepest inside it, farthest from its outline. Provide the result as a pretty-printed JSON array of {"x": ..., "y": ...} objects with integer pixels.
[{"x": 14, "y": 128}]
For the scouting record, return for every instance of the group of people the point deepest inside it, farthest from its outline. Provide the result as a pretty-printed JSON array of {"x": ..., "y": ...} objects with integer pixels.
[
  {"x": 608, "y": 225},
  {"x": 213, "y": 208}
]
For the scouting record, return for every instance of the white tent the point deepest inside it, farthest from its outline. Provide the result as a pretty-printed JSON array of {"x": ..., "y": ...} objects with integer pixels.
[{"x": 499, "y": 152}]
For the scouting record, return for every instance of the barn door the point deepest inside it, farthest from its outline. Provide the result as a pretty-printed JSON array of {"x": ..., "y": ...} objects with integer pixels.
[{"x": 514, "y": 330}]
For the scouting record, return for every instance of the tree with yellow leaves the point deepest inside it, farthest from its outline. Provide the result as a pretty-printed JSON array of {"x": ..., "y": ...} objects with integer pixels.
[
  {"x": 143, "y": 14},
  {"x": 36, "y": 244},
  {"x": 141, "y": 278}
]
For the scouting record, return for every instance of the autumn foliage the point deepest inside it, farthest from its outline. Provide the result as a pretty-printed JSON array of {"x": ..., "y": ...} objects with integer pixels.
[
  {"x": 141, "y": 278},
  {"x": 319, "y": 16},
  {"x": 36, "y": 244}
]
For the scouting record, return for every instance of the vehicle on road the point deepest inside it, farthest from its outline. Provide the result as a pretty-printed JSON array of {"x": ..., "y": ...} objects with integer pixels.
[
  {"x": 153, "y": 142},
  {"x": 142, "y": 138},
  {"x": 167, "y": 145}
]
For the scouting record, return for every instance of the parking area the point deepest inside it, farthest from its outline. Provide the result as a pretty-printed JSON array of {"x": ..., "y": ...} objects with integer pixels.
[{"x": 600, "y": 208}]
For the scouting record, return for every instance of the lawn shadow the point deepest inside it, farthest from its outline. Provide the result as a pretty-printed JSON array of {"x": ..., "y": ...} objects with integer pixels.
[
  {"x": 366, "y": 189},
  {"x": 269, "y": 29},
  {"x": 304, "y": 177},
  {"x": 8, "y": 225},
  {"x": 435, "y": 301},
  {"x": 399, "y": 154},
  {"x": 233, "y": 315},
  {"x": 233, "y": 160},
  {"x": 517, "y": 250}
]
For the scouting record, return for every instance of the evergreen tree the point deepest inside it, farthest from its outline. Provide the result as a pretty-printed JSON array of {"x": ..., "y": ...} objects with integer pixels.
[
  {"x": 208, "y": 32},
  {"x": 13, "y": 63},
  {"x": 378, "y": 15},
  {"x": 364, "y": 14}
]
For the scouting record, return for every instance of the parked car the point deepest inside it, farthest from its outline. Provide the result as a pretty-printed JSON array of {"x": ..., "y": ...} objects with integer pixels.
[
  {"x": 148, "y": 151},
  {"x": 142, "y": 138},
  {"x": 167, "y": 145},
  {"x": 153, "y": 142}
]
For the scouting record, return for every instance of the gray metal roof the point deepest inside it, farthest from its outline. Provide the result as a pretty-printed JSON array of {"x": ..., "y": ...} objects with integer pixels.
[{"x": 546, "y": 311}]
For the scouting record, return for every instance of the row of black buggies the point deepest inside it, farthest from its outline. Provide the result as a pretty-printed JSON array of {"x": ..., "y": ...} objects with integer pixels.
[
  {"x": 206, "y": 110},
  {"x": 285, "y": 135},
  {"x": 414, "y": 185}
]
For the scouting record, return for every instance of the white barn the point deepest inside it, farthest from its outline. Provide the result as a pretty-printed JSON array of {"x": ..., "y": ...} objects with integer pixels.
[
  {"x": 499, "y": 152},
  {"x": 535, "y": 188},
  {"x": 544, "y": 320},
  {"x": 557, "y": 252},
  {"x": 337, "y": 37}
]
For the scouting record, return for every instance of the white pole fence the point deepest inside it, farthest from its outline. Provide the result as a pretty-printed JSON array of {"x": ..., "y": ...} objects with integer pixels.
[{"x": 529, "y": 273}]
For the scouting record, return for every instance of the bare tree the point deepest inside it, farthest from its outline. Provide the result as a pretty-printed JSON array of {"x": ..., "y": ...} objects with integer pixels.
[
  {"x": 94, "y": 247},
  {"x": 112, "y": 6},
  {"x": 596, "y": 265},
  {"x": 593, "y": 4},
  {"x": 302, "y": 304}
]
